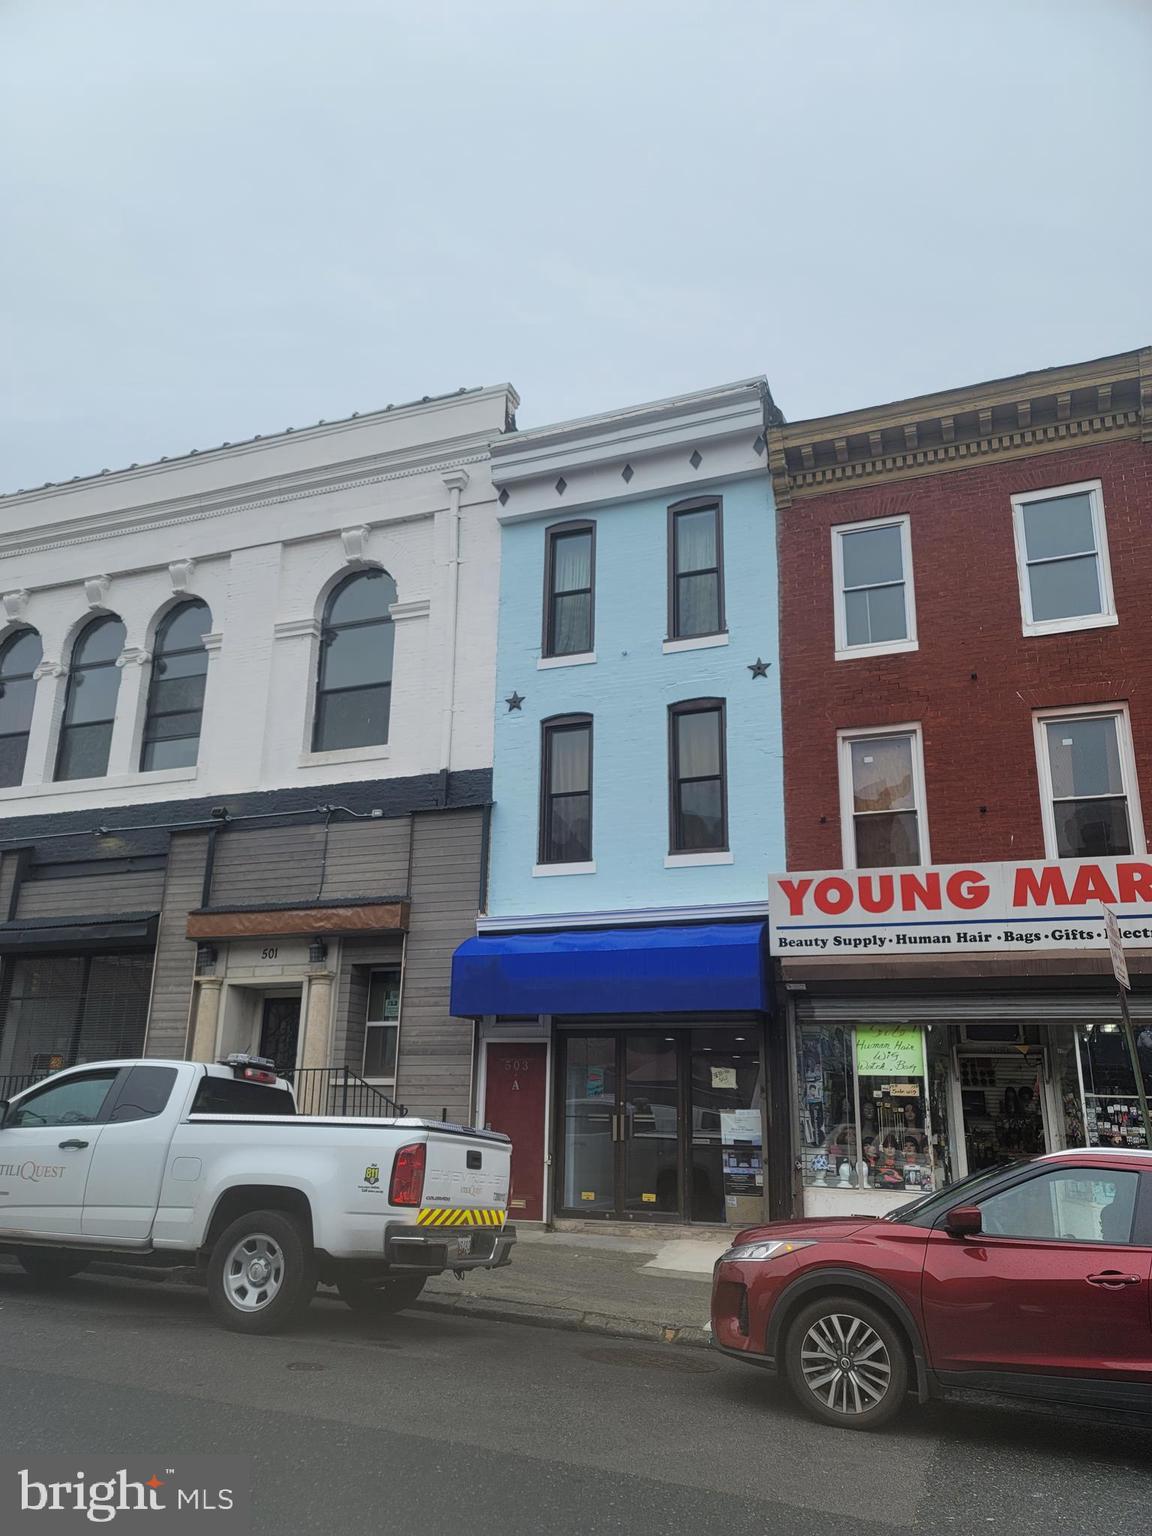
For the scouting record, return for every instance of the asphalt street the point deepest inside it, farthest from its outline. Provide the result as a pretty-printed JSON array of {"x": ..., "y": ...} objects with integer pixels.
[{"x": 425, "y": 1422}]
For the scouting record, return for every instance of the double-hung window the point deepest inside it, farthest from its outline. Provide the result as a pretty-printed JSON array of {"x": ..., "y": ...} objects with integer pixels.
[
  {"x": 90, "y": 701},
  {"x": 1062, "y": 559},
  {"x": 382, "y": 1025},
  {"x": 874, "y": 597},
  {"x": 354, "y": 682},
  {"x": 20, "y": 655},
  {"x": 566, "y": 790},
  {"x": 176, "y": 690},
  {"x": 696, "y": 570},
  {"x": 882, "y": 798},
  {"x": 569, "y": 587},
  {"x": 1088, "y": 784},
  {"x": 698, "y": 808}
]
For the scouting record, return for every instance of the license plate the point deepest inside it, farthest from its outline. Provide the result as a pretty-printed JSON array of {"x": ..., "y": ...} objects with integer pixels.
[{"x": 464, "y": 1245}]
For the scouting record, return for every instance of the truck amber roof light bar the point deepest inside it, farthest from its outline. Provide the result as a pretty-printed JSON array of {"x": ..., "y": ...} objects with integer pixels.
[{"x": 257, "y": 1069}]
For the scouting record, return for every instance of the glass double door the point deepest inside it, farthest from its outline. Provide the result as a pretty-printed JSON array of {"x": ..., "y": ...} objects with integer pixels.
[
  {"x": 657, "y": 1126},
  {"x": 621, "y": 1133}
]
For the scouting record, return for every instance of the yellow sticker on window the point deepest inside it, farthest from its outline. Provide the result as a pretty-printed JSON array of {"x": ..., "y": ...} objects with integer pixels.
[
  {"x": 587, "y": 1194},
  {"x": 648, "y": 1199}
]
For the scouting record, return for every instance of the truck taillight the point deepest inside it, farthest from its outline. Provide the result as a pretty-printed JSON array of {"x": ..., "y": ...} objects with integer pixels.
[{"x": 407, "y": 1186}]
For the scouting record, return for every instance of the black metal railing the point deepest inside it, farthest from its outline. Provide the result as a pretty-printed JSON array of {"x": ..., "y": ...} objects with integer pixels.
[
  {"x": 16, "y": 1082},
  {"x": 339, "y": 1091}
]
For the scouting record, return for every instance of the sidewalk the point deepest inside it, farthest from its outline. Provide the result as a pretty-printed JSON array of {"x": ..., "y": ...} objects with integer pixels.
[{"x": 634, "y": 1287}]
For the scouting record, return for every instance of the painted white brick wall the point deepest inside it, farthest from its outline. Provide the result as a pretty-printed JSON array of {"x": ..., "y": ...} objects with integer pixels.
[{"x": 262, "y": 525}]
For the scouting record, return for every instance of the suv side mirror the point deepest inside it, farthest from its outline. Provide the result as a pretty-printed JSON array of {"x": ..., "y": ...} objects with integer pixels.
[{"x": 964, "y": 1221}]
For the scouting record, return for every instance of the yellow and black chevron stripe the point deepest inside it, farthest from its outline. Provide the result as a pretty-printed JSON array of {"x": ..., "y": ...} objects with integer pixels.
[{"x": 431, "y": 1216}]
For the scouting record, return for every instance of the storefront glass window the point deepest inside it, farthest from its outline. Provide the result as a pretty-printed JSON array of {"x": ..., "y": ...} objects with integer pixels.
[
  {"x": 895, "y": 1145},
  {"x": 829, "y": 1151},
  {"x": 66, "y": 1009},
  {"x": 727, "y": 1172},
  {"x": 1112, "y": 1110},
  {"x": 591, "y": 1124},
  {"x": 872, "y": 1109}
]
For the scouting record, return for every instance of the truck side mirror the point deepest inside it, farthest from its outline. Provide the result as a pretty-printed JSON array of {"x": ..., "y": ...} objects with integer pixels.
[{"x": 964, "y": 1221}]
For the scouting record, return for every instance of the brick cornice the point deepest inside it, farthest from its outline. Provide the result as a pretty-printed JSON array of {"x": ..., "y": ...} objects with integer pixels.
[{"x": 1022, "y": 417}]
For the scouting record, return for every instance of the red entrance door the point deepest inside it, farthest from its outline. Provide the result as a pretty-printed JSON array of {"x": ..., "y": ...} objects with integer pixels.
[{"x": 515, "y": 1089}]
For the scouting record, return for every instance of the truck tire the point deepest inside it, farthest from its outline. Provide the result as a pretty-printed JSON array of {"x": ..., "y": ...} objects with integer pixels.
[
  {"x": 262, "y": 1273},
  {"x": 380, "y": 1297},
  {"x": 47, "y": 1267}
]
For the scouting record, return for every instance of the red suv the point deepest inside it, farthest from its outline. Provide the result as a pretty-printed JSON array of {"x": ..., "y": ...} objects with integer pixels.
[{"x": 1031, "y": 1279}]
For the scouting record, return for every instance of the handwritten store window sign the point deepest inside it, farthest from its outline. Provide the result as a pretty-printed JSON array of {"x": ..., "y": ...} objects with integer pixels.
[
  {"x": 883, "y": 1051},
  {"x": 960, "y": 908}
]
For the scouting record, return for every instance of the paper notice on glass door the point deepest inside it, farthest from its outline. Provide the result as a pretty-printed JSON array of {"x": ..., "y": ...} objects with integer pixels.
[
  {"x": 740, "y": 1125},
  {"x": 723, "y": 1077}
]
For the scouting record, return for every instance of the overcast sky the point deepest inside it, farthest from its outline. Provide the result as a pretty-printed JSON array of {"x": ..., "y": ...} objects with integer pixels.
[{"x": 222, "y": 217}]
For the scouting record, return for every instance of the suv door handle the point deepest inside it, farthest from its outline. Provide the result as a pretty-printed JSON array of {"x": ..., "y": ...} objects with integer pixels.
[
  {"x": 73, "y": 1141},
  {"x": 1112, "y": 1279}
]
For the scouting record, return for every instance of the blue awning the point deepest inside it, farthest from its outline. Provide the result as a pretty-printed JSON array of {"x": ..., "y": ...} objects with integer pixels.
[{"x": 715, "y": 968}]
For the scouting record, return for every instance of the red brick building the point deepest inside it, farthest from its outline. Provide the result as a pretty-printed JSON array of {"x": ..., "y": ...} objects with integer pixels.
[{"x": 966, "y": 664}]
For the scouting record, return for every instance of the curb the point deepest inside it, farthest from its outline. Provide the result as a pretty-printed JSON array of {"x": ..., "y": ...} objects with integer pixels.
[
  {"x": 528, "y": 1314},
  {"x": 532, "y": 1315}
]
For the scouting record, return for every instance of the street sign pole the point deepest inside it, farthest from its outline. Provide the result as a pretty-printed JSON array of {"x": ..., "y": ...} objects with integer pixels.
[{"x": 1123, "y": 987}]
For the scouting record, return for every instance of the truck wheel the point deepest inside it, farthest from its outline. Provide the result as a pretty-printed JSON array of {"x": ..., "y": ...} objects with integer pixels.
[
  {"x": 48, "y": 1268},
  {"x": 380, "y": 1297},
  {"x": 262, "y": 1273},
  {"x": 846, "y": 1363}
]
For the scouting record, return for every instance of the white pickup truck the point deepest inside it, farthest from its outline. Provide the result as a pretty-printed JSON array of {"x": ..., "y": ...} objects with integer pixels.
[{"x": 176, "y": 1163}]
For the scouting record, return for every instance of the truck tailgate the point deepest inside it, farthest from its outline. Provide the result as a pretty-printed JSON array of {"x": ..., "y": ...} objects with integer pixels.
[{"x": 465, "y": 1180}]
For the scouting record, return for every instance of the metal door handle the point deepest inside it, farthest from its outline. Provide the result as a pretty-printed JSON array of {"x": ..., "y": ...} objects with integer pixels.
[
  {"x": 1112, "y": 1279},
  {"x": 73, "y": 1142},
  {"x": 615, "y": 1126}
]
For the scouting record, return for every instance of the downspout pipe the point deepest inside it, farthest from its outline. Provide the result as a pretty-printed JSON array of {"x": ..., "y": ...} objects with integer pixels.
[{"x": 455, "y": 480}]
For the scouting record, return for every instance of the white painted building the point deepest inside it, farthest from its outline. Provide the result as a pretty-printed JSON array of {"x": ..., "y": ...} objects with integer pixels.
[{"x": 335, "y": 589}]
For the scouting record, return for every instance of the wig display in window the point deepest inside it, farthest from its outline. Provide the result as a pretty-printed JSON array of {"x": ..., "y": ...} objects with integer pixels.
[{"x": 830, "y": 1152}]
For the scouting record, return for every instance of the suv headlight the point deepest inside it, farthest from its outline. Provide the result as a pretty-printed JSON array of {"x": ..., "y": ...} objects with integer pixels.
[{"x": 769, "y": 1249}]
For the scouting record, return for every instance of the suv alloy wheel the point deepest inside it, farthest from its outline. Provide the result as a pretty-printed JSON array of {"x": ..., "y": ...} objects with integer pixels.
[{"x": 847, "y": 1363}]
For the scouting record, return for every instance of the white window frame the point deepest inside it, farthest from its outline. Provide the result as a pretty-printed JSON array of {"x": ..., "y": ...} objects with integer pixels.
[
  {"x": 1044, "y": 717},
  {"x": 844, "y": 740},
  {"x": 377, "y": 970},
  {"x": 844, "y": 651},
  {"x": 1031, "y": 626}
]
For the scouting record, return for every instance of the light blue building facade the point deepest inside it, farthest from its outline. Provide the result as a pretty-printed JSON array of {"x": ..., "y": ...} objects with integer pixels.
[{"x": 638, "y": 806}]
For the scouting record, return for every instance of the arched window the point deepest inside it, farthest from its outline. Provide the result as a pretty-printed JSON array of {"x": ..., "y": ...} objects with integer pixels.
[
  {"x": 90, "y": 705},
  {"x": 20, "y": 655},
  {"x": 354, "y": 685},
  {"x": 176, "y": 689}
]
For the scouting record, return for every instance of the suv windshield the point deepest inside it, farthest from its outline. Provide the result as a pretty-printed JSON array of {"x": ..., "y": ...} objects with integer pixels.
[{"x": 923, "y": 1212}]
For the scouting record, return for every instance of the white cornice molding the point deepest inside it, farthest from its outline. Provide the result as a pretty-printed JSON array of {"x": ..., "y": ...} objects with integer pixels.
[
  {"x": 685, "y": 423},
  {"x": 296, "y": 629},
  {"x": 541, "y": 921},
  {"x": 419, "y": 608},
  {"x": 196, "y": 508},
  {"x": 48, "y": 668},
  {"x": 212, "y": 641}
]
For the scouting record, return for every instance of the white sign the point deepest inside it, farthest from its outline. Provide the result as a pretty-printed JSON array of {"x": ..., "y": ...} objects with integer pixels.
[
  {"x": 951, "y": 909},
  {"x": 740, "y": 1125},
  {"x": 1116, "y": 945}
]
